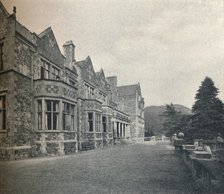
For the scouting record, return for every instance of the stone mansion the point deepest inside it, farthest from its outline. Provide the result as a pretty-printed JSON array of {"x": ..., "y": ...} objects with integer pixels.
[{"x": 51, "y": 104}]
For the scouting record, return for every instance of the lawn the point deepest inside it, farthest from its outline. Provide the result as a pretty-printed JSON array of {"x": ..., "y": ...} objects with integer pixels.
[{"x": 135, "y": 168}]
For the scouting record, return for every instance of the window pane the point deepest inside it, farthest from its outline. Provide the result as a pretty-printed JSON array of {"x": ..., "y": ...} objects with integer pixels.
[
  {"x": 90, "y": 125},
  {"x": 72, "y": 123},
  {"x": 1, "y": 102},
  {"x": 2, "y": 112},
  {"x": 39, "y": 121},
  {"x": 39, "y": 108},
  {"x": 42, "y": 70},
  {"x": 68, "y": 108},
  {"x": 1, "y": 119},
  {"x": 4, "y": 119},
  {"x": 47, "y": 66},
  {"x": 48, "y": 105},
  {"x": 90, "y": 116},
  {"x": 1, "y": 56},
  {"x": 55, "y": 121},
  {"x": 90, "y": 121},
  {"x": 63, "y": 121},
  {"x": 68, "y": 122},
  {"x": 48, "y": 121},
  {"x": 104, "y": 121},
  {"x": 55, "y": 106},
  {"x": 46, "y": 76},
  {"x": 72, "y": 109}
]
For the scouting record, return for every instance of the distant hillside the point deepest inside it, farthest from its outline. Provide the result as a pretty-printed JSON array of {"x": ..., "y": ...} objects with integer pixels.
[{"x": 154, "y": 119}]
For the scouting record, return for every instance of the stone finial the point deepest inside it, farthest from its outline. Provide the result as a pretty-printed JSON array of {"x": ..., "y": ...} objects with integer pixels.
[{"x": 14, "y": 10}]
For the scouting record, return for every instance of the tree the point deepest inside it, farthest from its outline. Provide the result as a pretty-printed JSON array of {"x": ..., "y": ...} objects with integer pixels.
[
  {"x": 208, "y": 111},
  {"x": 172, "y": 120}
]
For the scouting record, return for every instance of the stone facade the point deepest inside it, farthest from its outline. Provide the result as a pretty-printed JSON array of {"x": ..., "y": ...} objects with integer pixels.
[
  {"x": 51, "y": 104},
  {"x": 131, "y": 101}
]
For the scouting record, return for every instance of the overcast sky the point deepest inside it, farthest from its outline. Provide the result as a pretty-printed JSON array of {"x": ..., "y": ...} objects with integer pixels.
[{"x": 169, "y": 46}]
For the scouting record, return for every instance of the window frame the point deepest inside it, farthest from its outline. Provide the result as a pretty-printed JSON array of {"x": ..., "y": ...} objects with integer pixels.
[
  {"x": 3, "y": 125},
  {"x": 49, "y": 71},
  {"x": 55, "y": 73},
  {"x": 68, "y": 112},
  {"x": 90, "y": 121},
  {"x": 89, "y": 91},
  {"x": 104, "y": 123},
  {"x": 39, "y": 114},
  {"x": 97, "y": 122},
  {"x": 1, "y": 56},
  {"x": 53, "y": 114}
]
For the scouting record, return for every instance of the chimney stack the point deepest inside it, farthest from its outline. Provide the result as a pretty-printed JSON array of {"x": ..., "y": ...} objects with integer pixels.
[{"x": 69, "y": 52}]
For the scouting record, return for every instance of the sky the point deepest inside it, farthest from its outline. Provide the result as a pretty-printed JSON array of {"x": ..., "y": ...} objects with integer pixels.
[{"x": 168, "y": 46}]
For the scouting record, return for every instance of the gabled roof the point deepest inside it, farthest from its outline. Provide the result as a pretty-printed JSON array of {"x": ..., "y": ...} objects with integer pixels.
[
  {"x": 101, "y": 79},
  {"x": 100, "y": 74},
  {"x": 48, "y": 47},
  {"x": 87, "y": 70}
]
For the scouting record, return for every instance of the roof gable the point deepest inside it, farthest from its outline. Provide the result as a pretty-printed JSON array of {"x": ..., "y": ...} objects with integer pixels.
[
  {"x": 87, "y": 71},
  {"x": 101, "y": 80},
  {"x": 48, "y": 47}
]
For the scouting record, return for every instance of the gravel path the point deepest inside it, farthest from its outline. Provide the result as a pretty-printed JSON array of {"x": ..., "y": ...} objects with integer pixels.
[{"x": 124, "y": 169}]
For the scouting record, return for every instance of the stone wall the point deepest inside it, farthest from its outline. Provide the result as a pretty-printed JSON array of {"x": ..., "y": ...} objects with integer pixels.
[
  {"x": 22, "y": 104},
  {"x": 22, "y": 58},
  {"x": 36, "y": 66},
  {"x": 7, "y": 34},
  {"x": 6, "y": 136},
  {"x": 129, "y": 104},
  {"x": 55, "y": 143}
]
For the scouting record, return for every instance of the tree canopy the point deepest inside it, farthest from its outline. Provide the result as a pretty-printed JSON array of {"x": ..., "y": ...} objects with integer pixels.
[
  {"x": 208, "y": 111},
  {"x": 172, "y": 119}
]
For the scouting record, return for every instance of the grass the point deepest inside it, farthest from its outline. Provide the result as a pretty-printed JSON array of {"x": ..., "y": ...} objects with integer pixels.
[{"x": 135, "y": 168}]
